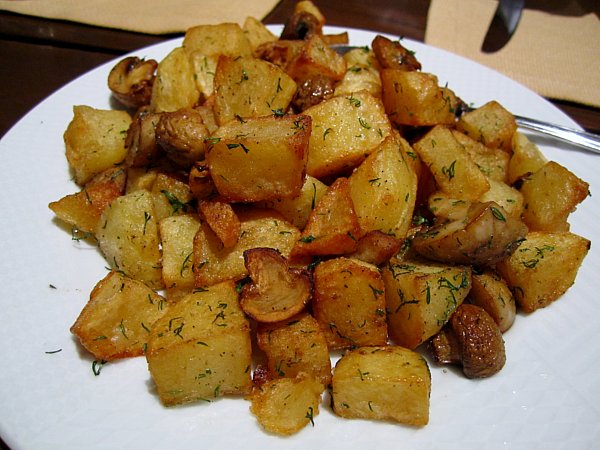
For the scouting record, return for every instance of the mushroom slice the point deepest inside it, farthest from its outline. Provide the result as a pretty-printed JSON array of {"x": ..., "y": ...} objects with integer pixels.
[
  {"x": 277, "y": 292},
  {"x": 182, "y": 134},
  {"x": 483, "y": 237},
  {"x": 140, "y": 142},
  {"x": 392, "y": 55},
  {"x": 471, "y": 339},
  {"x": 131, "y": 81}
]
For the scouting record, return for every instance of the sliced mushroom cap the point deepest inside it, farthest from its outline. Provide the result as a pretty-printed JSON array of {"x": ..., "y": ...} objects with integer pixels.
[
  {"x": 140, "y": 142},
  {"x": 393, "y": 55},
  {"x": 483, "y": 237},
  {"x": 313, "y": 91},
  {"x": 277, "y": 292},
  {"x": 131, "y": 81},
  {"x": 472, "y": 339},
  {"x": 301, "y": 25}
]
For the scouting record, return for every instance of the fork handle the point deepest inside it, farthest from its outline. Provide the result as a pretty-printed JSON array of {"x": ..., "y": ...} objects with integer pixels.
[{"x": 583, "y": 139}]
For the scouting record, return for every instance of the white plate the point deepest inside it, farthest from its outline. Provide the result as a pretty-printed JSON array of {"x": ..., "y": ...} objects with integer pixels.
[{"x": 546, "y": 396}]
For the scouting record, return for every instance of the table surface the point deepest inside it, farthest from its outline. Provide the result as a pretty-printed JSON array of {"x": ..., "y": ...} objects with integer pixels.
[{"x": 38, "y": 56}]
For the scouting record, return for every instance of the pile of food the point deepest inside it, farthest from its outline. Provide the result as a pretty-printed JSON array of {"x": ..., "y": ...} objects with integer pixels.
[{"x": 266, "y": 203}]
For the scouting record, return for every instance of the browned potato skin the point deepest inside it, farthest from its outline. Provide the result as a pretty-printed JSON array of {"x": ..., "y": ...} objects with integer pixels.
[
  {"x": 223, "y": 220},
  {"x": 393, "y": 55},
  {"x": 131, "y": 81},
  {"x": 277, "y": 292},
  {"x": 485, "y": 236},
  {"x": 377, "y": 247},
  {"x": 182, "y": 134}
]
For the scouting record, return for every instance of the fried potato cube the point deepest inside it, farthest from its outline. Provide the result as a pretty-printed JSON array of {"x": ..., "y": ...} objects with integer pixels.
[
  {"x": 447, "y": 208},
  {"x": 250, "y": 87},
  {"x": 116, "y": 321},
  {"x": 382, "y": 383},
  {"x": 421, "y": 297},
  {"x": 256, "y": 32},
  {"x": 95, "y": 141},
  {"x": 453, "y": 169},
  {"x": 286, "y": 405},
  {"x": 171, "y": 195},
  {"x": 526, "y": 158},
  {"x": 349, "y": 303},
  {"x": 332, "y": 227},
  {"x": 201, "y": 348},
  {"x": 83, "y": 209},
  {"x": 490, "y": 292},
  {"x": 222, "y": 39},
  {"x": 204, "y": 68},
  {"x": 362, "y": 74},
  {"x": 140, "y": 179},
  {"x": 174, "y": 86},
  {"x": 344, "y": 131},
  {"x": 260, "y": 158},
  {"x": 316, "y": 58},
  {"x": 297, "y": 209},
  {"x": 543, "y": 268},
  {"x": 259, "y": 228},
  {"x": 222, "y": 219},
  {"x": 490, "y": 124},
  {"x": 551, "y": 194},
  {"x": 277, "y": 291},
  {"x": 127, "y": 235},
  {"x": 295, "y": 346},
  {"x": 177, "y": 237},
  {"x": 414, "y": 98},
  {"x": 493, "y": 162},
  {"x": 384, "y": 189}
]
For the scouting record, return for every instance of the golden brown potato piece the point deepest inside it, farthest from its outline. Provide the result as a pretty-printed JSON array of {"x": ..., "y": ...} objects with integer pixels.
[
  {"x": 551, "y": 194},
  {"x": 473, "y": 340},
  {"x": 362, "y": 74},
  {"x": 526, "y": 158},
  {"x": 511, "y": 200},
  {"x": 376, "y": 247},
  {"x": 415, "y": 99},
  {"x": 485, "y": 236},
  {"x": 384, "y": 189},
  {"x": 177, "y": 239},
  {"x": 182, "y": 134},
  {"x": 222, "y": 39},
  {"x": 259, "y": 228},
  {"x": 297, "y": 209},
  {"x": 421, "y": 297},
  {"x": 286, "y": 405},
  {"x": 128, "y": 237},
  {"x": 295, "y": 346},
  {"x": 447, "y": 208},
  {"x": 490, "y": 292},
  {"x": 393, "y": 55},
  {"x": 332, "y": 227},
  {"x": 250, "y": 87},
  {"x": 131, "y": 80},
  {"x": 95, "y": 141},
  {"x": 222, "y": 219},
  {"x": 453, "y": 169},
  {"x": 83, "y": 209},
  {"x": 277, "y": 292},
  {"x": 116, "y": 321},
  {"x": 349, "y": 303},
  {"x": 344, "y": 131},
  {"x": 171, "y": 195},
  {"x": 382, "y": 383},
  {"x": 260, "y": 158},
  {"x": 543, "y": 268},
  {"x": 490, "y": 124},
  {"x": 256, "y": 32},
  {"x": 201, "y": 349},
  {"x": 174, "y": 86},
  {"x": 493, "y": 162},
  {"x": 316, "y": 58}
]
